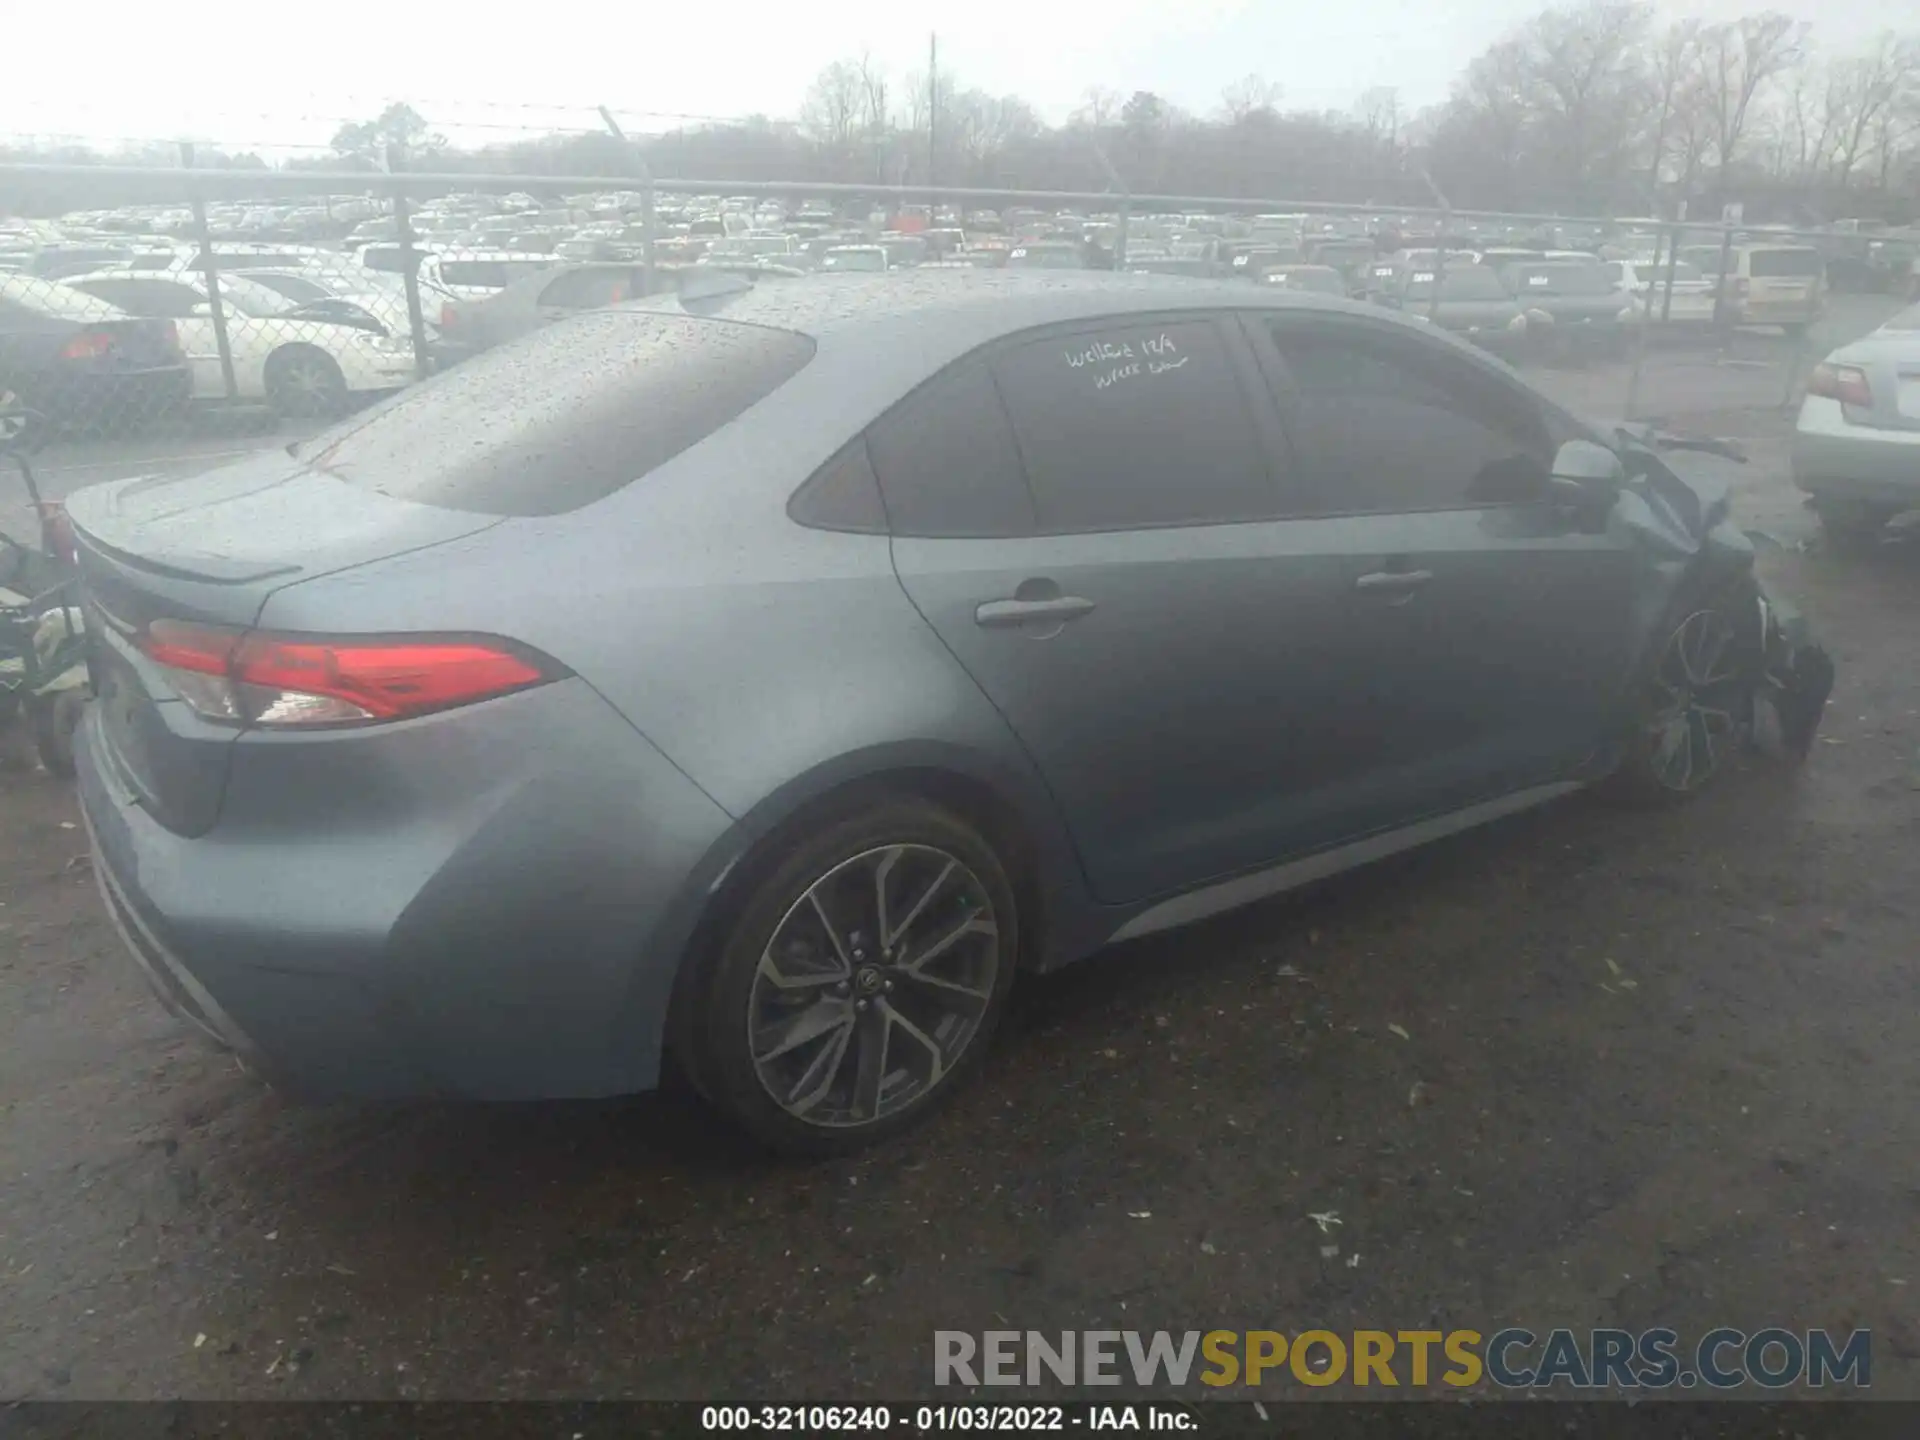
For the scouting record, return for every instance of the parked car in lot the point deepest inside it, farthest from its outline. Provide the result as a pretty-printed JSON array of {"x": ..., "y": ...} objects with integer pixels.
[
  {"x": 470, "y": 326},
  {"x": 1573, "y": 308},
  {"x": 871, "y": 679},
  {"x": 1472, "y": 303},
  {"x": 464, "y": 274},
  {"x": 1856, "y": 444},
  {"x": 1647, "y": 281},
  {"x": 1781, "y": 285},
  {"x": 297, "y": 360},
  {"x": 370, "y": 297},
  {"x": 84, "y": 364}
]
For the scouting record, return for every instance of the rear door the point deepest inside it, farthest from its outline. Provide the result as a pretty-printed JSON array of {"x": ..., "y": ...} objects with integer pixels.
[
  {"x": 1092, "y": 521},
  {"x": 1495, "y": 634}
]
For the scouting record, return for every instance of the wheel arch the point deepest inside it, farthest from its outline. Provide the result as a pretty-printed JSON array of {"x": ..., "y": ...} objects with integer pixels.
[{"x": 1011, "y": 810}]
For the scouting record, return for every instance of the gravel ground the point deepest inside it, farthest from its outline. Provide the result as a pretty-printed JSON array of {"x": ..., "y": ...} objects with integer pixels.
[{"x": 1654, "y": 1071}]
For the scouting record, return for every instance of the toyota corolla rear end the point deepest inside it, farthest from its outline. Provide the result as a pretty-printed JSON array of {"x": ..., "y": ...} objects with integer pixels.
[{"x": 419, "y": 857}]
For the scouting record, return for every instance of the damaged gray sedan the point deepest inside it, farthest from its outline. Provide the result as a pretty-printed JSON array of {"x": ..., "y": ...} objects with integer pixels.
[{"x": 763, "y": 679}]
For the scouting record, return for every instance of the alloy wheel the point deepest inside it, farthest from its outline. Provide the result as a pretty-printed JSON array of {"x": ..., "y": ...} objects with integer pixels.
[
  {"x": 1696, "y": 690},
  {"x": 873, "y": 985}
]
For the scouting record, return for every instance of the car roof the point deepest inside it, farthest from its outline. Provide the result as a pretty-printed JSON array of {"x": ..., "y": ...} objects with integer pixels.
[{"x": 977, "y": 306}]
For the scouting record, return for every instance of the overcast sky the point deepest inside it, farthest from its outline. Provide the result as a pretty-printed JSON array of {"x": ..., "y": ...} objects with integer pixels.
[{"x": 229, "y": 73}]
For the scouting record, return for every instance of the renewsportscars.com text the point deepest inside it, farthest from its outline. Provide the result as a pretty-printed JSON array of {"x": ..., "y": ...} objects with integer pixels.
[{"x": 1723, "y": 1359}]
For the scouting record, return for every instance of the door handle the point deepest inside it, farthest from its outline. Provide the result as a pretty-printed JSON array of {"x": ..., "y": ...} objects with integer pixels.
[
  {"x": 1007, "y": 614},
  {"x": 1392, "y": 582}
]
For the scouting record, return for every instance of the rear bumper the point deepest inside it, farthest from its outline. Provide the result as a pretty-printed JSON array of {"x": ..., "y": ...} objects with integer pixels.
[
  {"x": 1854, "y": 462},
  {"x": 425, "y": 917},
  {"x": 103, "y": 398}
]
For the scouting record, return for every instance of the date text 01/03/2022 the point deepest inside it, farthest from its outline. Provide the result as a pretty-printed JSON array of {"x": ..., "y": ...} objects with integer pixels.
[{"x": 926, "y": 1419}]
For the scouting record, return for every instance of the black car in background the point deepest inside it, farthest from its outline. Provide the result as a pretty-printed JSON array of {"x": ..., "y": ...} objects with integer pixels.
[
  {"x": 1472, "y": 303},
  {"x": 1574, "y": 309},
  {"x": 84, "y": 364}
]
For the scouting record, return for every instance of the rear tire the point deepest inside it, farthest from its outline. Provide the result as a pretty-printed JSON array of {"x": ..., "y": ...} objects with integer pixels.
[
  {"x": 1694, "y": 698},
  {"x": 56, "y": 717},
  {"x": 1851, "y": 528},
  {"x": 861, "y": 983},
  {"x": 305, "y": 382}
]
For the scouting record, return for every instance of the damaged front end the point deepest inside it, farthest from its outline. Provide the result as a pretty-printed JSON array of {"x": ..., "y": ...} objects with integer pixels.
[{"x": 1675, "y": 508}]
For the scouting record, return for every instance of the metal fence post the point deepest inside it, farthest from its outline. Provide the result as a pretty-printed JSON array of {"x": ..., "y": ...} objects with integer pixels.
[
  {"x": 646, "y": 197},
  {"x": 1673, "y": 262},
  {"x": 409, "y": 267},
  {"x": 1120, "y": 240},
  {"x": 1640, "y": 340},
  {"x": 215, "y": 310}
]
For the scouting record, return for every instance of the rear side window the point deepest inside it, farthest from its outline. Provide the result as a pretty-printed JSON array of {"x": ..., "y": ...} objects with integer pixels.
[
  {"x": 1784, "y": 264},
  {"x": 565, "y": 416},
  {"x": 947, "y": 463},
  {"x": 1135, "y": 425}
]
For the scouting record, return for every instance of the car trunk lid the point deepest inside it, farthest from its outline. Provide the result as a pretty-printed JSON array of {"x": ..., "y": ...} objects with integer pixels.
[{"x": 210, "y": 548}]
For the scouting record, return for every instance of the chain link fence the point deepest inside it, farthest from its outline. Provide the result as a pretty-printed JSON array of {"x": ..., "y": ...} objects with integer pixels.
[{"x": 168, "y": 301}]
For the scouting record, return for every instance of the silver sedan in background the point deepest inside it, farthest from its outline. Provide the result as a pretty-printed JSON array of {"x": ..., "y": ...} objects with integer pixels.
[{"x": 1856, "y": 447}]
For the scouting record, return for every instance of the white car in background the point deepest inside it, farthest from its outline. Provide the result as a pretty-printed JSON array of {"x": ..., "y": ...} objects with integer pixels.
[
  {"x": 297, "y": 364},
  {"x": 1646, "y": 280},
  {"x": 367, "y": 298},
  {"x": 461, "y": 274}
]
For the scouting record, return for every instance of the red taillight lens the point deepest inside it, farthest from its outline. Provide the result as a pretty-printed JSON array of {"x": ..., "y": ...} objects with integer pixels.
[
  {"x": 449, "y": 315},
  {"x": 289, "y": 681},
  {"x": 58, "y": 530},
  {"x": 1845, "y": 383},
  {"x": 87, "y": 345},
  {"x": 170, "y": 337}
]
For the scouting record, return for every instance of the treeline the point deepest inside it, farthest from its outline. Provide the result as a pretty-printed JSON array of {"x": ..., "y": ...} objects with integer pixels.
[{"x": 1589, "y": 107}]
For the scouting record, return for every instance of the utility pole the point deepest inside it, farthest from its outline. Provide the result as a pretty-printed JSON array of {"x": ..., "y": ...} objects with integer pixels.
[{"x": 933, "y": 109}]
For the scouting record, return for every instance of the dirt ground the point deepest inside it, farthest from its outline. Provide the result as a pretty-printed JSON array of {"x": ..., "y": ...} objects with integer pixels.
[{"x": 1657, "y": 1069}]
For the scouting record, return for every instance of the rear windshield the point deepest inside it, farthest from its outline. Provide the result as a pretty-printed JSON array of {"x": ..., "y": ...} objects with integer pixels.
[
  {"x": 1467, "y": 282},
  {"x": 61, "y": 302},
  {"x": 565, "y": 416},
  {"x": 1561, "y": 280},
  {"x": 1772, "y": 264}
]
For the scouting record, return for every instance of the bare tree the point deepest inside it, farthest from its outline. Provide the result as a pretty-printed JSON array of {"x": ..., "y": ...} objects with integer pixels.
[
  {"x": 1248, "y": 96},
  {"x": 832, "y": 110},
  {"x": 1099, "y": 108},
  {"x": 1737, "y": 60},
  {"x": 1378, "y": 111},
  {"x": 1583, "y": 74},
  {"x": 1675, "y": 86}
]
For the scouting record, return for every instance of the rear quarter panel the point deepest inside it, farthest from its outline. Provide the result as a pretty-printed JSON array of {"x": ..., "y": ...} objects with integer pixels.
[{"x": 769, "y": 662}]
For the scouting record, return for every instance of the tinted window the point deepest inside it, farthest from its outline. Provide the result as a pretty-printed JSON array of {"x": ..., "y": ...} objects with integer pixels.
[
  {"x": 844, "y": 494},
  {"x": 564, "y": 417},
  {"x": 1385, "y": 424},
  {"x": 1795, "y": 264},
  {"x": 1467, "y": 282},
  {"x": 294, "y": 287},
  {"x": 1135, "y": 425},
  {"x": 947, "y": 463},
  {"x": 159, "y": 299},
  {"x": 1560, "y": 280},
  {"x": 590, "y": 289}
]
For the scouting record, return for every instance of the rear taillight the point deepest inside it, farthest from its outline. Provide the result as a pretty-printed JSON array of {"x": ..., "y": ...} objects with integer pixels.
[
  {"x": 58, "y": 530},
  {"x": 290, "y": 681},
  {"x": 87, "y": 345},
  {"x": 1845, "y": 383},
  {"x": 449, "y": 314},
  {"x": 170, "y": 337}
]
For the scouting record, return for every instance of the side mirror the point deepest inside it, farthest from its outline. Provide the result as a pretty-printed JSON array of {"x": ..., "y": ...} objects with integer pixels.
[{"x": 1586, "y": 473}]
